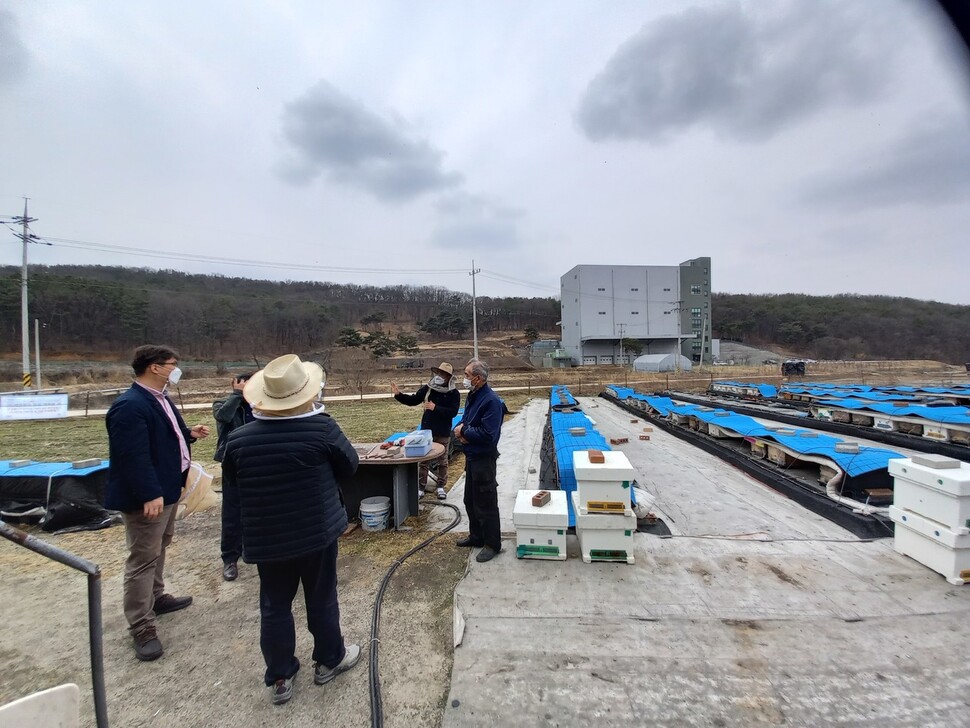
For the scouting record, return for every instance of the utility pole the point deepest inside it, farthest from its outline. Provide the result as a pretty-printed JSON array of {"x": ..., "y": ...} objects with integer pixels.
[
  {"x": 26, "y": 237},
  {"x": 37, "y": 351},
  {"x": 474, "y": 310},
  {"x": 621, "y": 343}
]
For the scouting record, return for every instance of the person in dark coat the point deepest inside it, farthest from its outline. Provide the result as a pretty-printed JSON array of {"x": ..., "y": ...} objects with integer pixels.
[
  {"x": 479, "y": 432},
  {"x": 286, "y": 466},
  {"x": 440, "y": 400},
  {"x": 230, "y": 413},
  {"x": 149, "y": 451}
]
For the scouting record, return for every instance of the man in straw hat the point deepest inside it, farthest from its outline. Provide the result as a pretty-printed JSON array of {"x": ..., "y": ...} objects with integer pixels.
[
  {"x": 440, "y": 399},
  {"x": 285, "y": 467}
]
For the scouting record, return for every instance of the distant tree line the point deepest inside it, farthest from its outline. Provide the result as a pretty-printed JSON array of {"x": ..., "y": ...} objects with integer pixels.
[
  {"x": 101, "y": 310},
  {"x": 846, "y": 326},
  {"x": 98, "y": 310}
]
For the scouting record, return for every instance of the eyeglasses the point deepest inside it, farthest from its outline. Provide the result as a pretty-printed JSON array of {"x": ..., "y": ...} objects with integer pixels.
[{"x": 168, "y": 363}]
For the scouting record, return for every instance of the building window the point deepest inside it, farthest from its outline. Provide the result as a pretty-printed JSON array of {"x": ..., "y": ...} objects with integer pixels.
[
  {"x": 705, "y": 304},
  {"x": 602, "y": 313},
  {"x": 696, "y": 323},
  {"x": 600, "y": 289},
  {"x": 695, "y": 345},
  {"x": 695, "y": 312},
  {"x": 695, "y": 290},
  {"x": 705, "y": 271},
  {"x": 634, "y": 313},
  {"x": 634, "y": 289},
  {"x": 666, "y": 313},
  {"x": 667, "y": 289}
]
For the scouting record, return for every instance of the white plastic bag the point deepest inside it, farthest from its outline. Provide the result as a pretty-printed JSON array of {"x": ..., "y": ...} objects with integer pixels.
[{"x": 645, "y": 502}]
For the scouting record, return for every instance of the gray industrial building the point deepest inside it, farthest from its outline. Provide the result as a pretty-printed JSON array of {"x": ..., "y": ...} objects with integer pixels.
[{"x": 665, "y": 308}]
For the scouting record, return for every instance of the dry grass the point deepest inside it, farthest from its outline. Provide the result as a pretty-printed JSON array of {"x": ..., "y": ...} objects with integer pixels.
[{"x": 79, "y": 438}]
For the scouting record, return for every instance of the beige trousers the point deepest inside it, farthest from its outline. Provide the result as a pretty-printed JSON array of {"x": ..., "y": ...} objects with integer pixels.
[
  {"x": 144, "y": 581},
  {"x": 442, "y": 472}
]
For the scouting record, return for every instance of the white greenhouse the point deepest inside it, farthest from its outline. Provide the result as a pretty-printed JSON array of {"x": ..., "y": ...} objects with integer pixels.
[{"x": 661, "y": 363}]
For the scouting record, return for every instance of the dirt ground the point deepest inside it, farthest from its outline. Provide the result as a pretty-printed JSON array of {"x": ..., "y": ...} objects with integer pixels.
[
  {"x": 212, "y": 668},
  {"x": 211, "y": 673}
]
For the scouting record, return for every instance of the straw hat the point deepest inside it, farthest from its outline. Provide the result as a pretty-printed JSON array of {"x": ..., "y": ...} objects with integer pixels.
[
  {"x": 285, "y": 383},
  {"x": 444, "y": 367}
]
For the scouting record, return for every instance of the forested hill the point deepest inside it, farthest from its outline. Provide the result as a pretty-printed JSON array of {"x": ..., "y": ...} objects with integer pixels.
[
  {"x": 846, "y": 326},
  {"x": 101, "y": 310}
]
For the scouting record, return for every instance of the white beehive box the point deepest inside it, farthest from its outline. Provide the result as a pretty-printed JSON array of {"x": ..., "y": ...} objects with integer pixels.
[
  {"x": 928, "y": 542},
  {"x": 540, "y": 531},
  {"x": 603, "y": 487},
  {"x": 603, "y": 536},
  {"x": 932, "y": 486}
]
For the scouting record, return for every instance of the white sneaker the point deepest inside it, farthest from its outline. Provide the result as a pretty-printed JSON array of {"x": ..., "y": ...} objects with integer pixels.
[
  {"x": 442, "y": 495},
  {"x": 322, "y": 675}
]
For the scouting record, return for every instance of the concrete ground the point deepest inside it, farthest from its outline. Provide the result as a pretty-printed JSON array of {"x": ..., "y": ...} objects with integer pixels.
[{"x": 755, "y": 612}]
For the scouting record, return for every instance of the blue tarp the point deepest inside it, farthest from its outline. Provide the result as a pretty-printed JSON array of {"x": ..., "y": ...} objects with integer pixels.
[
  {"x": 765, "y": 390},
  {"x": 46, "y": 470},
  {"x": 956, "y": 415},
  {"x": 876, "y": 393},
  {"x": 868, "y": 459},
  {"x": 560, "y": 396}
]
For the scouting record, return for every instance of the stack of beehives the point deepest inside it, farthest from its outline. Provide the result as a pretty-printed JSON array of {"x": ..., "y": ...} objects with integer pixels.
[{"x": 605, "y": 522}]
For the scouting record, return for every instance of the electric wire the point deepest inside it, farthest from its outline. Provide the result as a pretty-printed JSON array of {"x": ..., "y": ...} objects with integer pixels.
[
  {"x": 129, "y": 250},
  {"x": 376, "y": 703}
]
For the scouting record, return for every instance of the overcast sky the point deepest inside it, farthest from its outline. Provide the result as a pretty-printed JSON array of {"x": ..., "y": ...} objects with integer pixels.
[{"x": 805, "y": 145}]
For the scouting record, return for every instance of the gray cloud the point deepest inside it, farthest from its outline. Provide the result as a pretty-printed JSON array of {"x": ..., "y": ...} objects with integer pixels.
[
  {"x": 747, "y": 72},
  {"x": 332, "y": 134},
  {"x": 474, "y": 222},
  {"x": 929, "y": 165},
  {"x": 13, "y": 54}
]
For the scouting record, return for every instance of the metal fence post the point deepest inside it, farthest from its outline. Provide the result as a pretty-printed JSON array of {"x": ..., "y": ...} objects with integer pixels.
[{"x": 95, "y": 630}]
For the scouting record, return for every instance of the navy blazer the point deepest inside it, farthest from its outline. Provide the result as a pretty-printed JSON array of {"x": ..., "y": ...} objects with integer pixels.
[{"x": 145, "y": 461}]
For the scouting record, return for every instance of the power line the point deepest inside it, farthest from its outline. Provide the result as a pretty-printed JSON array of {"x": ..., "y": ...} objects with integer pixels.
[{"x": 129, "y": 250}]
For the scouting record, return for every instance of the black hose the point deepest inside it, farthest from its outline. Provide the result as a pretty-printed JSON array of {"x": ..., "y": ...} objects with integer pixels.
[{"x": 376, "y": 705}]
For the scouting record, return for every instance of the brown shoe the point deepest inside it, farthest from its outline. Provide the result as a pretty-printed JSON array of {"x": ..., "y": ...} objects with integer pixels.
[
  {"x": 147, "y": 645},
  {"x": 167, "y": 603}
]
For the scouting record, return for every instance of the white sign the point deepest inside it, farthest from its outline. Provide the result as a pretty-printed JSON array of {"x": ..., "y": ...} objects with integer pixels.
[{"x": 33, "y": 406}]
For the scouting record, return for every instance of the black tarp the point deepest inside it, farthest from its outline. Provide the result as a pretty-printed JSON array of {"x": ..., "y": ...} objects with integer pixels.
[{"x": 75, "y": 500}]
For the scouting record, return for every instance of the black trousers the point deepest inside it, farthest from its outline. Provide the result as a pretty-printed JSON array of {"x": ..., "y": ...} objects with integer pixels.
[
  {"x": 481, "y": 501},
  {"x": 231, "y": 524},
  {"x": 278, "y": 581}
]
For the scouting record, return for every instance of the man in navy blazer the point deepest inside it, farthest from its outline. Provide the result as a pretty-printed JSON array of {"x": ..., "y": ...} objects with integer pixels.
[{"x": 148, "y": 445}]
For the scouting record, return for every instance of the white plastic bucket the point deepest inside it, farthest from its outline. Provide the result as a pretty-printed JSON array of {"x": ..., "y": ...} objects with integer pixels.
[{"x": 374, "y": 513}]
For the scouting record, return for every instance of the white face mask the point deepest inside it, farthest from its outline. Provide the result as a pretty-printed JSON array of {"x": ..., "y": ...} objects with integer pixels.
[
  {"x": 174, "y": 376},
  {"x": 438, "y": 381},
  {"x": 466, "y": 383}
]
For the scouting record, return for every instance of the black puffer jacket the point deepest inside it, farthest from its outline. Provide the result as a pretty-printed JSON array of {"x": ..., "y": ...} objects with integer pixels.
[{"x": 286, "y": 472}]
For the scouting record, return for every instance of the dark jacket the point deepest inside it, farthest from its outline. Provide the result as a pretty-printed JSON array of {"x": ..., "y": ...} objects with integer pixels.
[
  {"x": 145, "y": 459},
  {"x": 482, "y": 423},
  {"x": 229, "y": 414},
  {"x": 439, "y": 419},
  {"x": 286, "y": 473}
]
